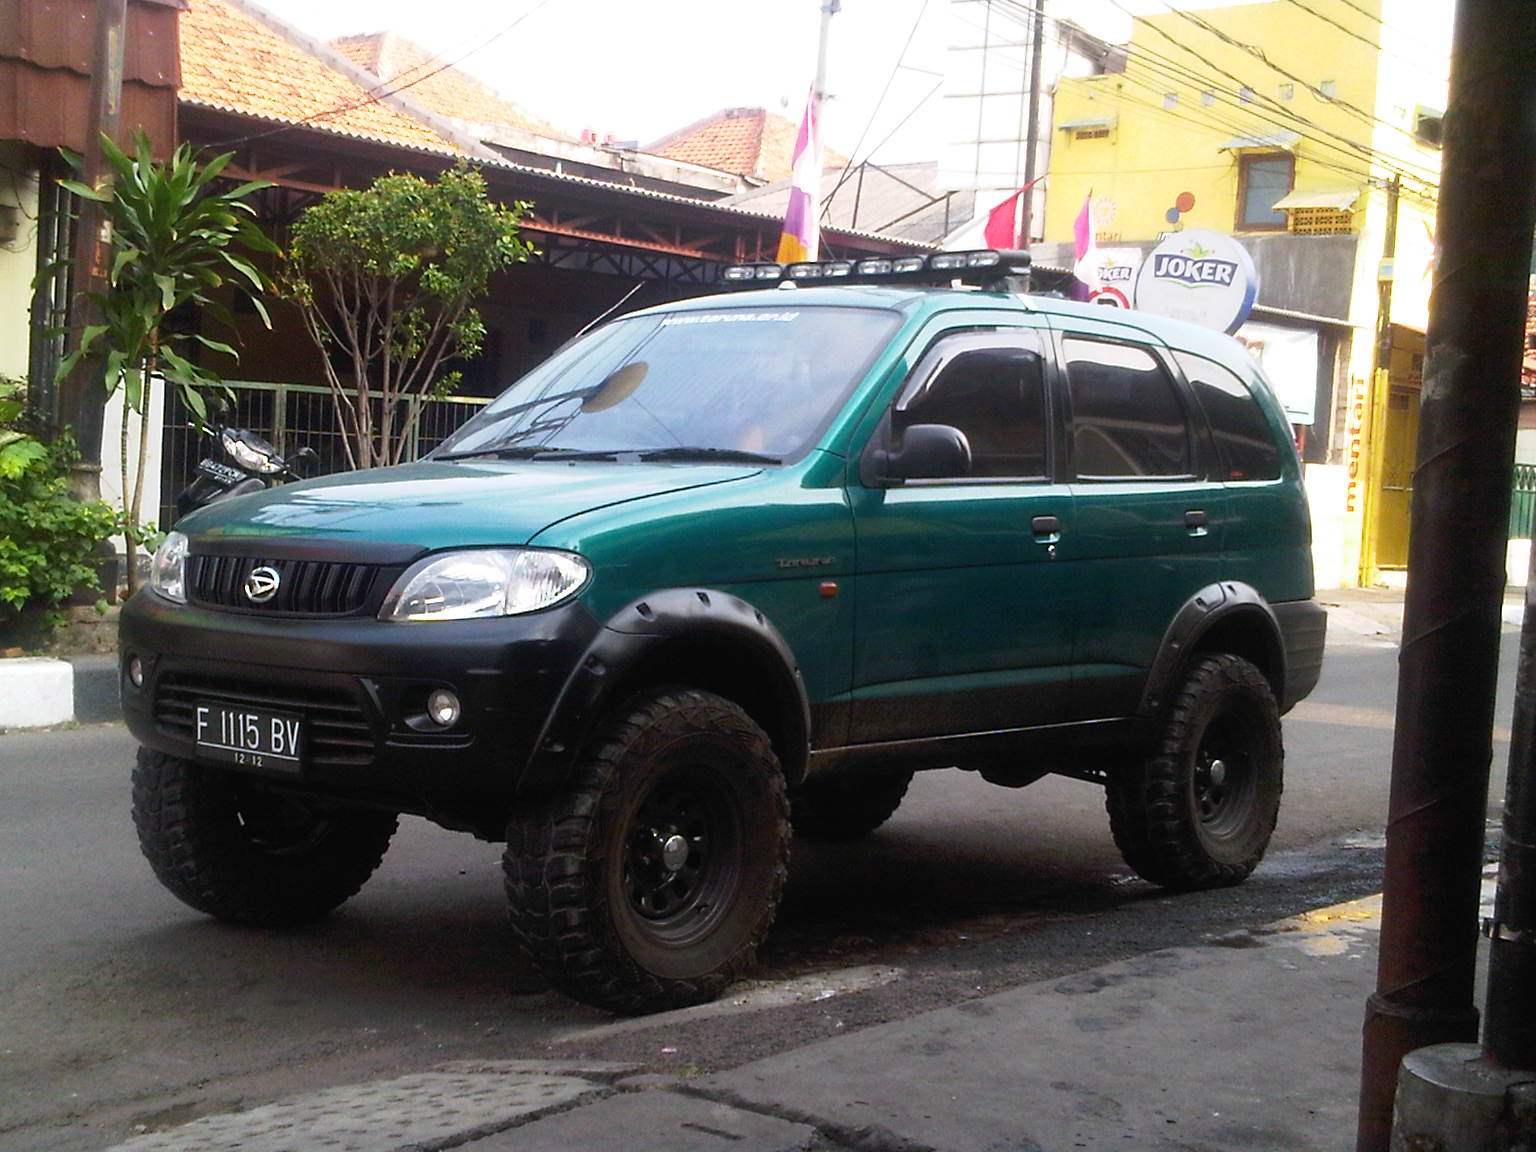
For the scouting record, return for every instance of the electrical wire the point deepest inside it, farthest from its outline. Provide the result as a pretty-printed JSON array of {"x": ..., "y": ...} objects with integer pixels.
[
  {"x": 1168, "y": 68},
  {"x": 879, "y": 103},
  {"x": 374, "y": 96}
]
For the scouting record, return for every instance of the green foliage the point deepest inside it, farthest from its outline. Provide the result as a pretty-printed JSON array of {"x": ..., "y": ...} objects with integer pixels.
[
  {"x": 46, "y": 535},
  {"x": 18, "y": 450},
  {"x": 175, "y": 242},
  {"x": 385, "y": 277}
]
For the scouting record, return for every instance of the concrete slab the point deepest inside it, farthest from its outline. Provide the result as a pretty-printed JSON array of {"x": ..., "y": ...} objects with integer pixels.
[
  {"x": 1252, "y": 1042},
  {"x": 654, "y": 1120},
  {"x": 36, "y": 691},
  {"x": 428, "y": 1109}
]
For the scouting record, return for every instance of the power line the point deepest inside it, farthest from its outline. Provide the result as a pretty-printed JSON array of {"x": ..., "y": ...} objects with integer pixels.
[
  {"x": 1288, "y": 118},
  {"x": 374, "y": 96},
  {"x": 879, "y": 103}
]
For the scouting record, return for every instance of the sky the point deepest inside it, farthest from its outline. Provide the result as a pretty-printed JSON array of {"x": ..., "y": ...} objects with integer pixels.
[{"x": 638, "y": 69}]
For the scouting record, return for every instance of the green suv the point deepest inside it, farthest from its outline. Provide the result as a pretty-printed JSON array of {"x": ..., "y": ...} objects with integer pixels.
[{"x": 728, "y": 567}]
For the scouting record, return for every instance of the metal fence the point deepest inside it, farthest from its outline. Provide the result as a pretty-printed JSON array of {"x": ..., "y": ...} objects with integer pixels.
[
  {"x": 292, "y": 416},
  {"x": 1522, "y": 508}
]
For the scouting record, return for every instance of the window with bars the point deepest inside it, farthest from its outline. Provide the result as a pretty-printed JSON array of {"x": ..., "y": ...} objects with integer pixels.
[{"x": 1320, "y": 221}]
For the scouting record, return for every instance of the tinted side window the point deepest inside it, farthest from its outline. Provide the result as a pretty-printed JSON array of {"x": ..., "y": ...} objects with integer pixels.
[
  {"x": 1126, "y": 415},
  {"x": 1243, "y": 437},
  {"x": 995, "y": 395}
]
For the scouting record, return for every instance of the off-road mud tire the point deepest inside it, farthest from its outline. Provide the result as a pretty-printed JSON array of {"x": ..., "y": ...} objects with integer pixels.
[
  {"x": 1199, "y": 811},
  {"x": 846, "y": 807},
  {"x": 244, "y": 854},
  {"x": 604, "y": 912}
]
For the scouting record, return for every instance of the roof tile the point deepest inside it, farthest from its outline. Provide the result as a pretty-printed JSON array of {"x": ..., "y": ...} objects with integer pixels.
[
  {"x": 436, "y": 84},
  {"x": 747, "y": 141},
  {"x": 233, "y": 61}
]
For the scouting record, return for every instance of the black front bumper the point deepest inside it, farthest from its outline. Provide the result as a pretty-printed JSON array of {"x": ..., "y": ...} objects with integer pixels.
[{"x": 360, "y": 685}]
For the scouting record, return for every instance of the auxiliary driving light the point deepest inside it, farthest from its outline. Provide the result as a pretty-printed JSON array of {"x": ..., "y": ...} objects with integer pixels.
[
  {"x": 136, "y": 672},
  {"x": 443, "y": 708}
]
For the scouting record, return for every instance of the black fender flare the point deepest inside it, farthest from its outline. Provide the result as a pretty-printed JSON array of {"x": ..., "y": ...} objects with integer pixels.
[
  {"x": 1230, "y": 607},
  {"x": 739, "y": 645}
]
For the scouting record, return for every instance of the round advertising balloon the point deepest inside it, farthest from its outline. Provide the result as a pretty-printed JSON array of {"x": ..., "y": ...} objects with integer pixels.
[{"x": 1204, "y": 277}]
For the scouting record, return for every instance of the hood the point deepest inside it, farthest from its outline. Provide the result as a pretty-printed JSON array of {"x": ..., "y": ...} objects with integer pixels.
[{"x": 436, "y": 504}]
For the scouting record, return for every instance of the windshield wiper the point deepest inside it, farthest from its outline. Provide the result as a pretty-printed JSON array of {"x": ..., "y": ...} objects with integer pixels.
[
  {"x": 505, "y": 452},
  {"x": 694, "y": 452}
]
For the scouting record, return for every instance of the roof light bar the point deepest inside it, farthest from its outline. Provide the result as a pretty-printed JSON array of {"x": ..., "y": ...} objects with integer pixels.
[{"x": 983, "y": 266}]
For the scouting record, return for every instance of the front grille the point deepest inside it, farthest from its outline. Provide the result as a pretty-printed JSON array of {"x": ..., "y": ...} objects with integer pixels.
[
  {"x": 337, "y": 729},
  {"x": 305, "y": 587}
]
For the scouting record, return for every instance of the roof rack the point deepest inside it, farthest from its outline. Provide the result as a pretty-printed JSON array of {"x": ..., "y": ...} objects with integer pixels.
[{"x": 995, "y": 269}]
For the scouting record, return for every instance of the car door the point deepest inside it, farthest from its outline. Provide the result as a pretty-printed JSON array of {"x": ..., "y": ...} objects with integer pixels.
[
  {"x": 1149, "y": 521},
  {"x": 964, "y": 620}
]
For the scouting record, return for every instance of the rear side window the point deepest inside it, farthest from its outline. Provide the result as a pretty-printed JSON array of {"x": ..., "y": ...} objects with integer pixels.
[
  {"x": 1244, "y": 441},
  {"x": 993, "y": 391},
  {"x": 1127, "y": 420}
]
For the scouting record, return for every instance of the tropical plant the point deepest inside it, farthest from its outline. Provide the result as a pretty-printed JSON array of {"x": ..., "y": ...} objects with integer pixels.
[
  {"x": 385, "y": 278},
  {"x": 18, "y": 450},
  {"x": 46, "y": 536},
  {"x": 177, "y": 244}
]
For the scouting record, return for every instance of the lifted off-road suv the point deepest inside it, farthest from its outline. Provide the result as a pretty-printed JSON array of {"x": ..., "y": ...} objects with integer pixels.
[{"x": 725, "y": 567}]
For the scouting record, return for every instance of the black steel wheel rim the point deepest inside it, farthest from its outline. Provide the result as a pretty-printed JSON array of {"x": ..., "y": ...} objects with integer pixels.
[
  {"x": 682, "y": 856},
  {"x": 279, "y": 825},
  {"x": 1225, "y": 769}
]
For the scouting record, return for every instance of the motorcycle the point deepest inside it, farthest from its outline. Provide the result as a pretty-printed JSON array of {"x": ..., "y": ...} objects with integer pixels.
[{"x": 253, "y": 465}]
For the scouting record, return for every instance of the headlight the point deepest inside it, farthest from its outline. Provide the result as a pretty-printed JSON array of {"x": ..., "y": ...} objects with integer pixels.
[
  {"x": 484, "y": 582},
  {"x": 168, "y": 570},
  {"x": 250, "y": 451}
]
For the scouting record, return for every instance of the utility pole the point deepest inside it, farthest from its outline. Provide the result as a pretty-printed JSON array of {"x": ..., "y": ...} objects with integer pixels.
[
  {"x": 1448, "y": 663},
  {"x": 82, "y": 397},
  {"x": 1036, "y": 44}
]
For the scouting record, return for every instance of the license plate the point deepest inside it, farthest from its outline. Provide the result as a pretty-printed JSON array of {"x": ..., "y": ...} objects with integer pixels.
[
  {"x": 250, "y": 737},
  {"x": 223, "y": 473}
]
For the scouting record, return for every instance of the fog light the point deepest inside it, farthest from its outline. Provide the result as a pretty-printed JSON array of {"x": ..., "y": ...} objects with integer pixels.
[
  {"x": 136, "y": 672},
  {"x": 443, "y": 708}
]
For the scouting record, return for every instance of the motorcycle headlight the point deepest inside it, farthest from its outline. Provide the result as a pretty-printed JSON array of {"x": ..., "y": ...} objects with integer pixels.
[
  {"x": 250, "y": 452},
  {"x": 483, "y": 582},
  {"x": 168, "y": 569}
]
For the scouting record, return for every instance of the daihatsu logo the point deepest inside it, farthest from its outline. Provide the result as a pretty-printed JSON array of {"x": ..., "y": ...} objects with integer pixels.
[{"x": 262, "y": 584}]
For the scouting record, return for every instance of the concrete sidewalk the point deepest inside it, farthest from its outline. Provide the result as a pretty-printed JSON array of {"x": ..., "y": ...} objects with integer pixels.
[{"x": 1251, "y": 1041}]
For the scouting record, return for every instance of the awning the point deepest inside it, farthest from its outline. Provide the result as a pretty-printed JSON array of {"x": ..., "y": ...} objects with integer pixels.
[
  {"x": 1078, "y": 125},
  {"x": 1278, "y": 139},
  {"x": 1341, "y": 199}
]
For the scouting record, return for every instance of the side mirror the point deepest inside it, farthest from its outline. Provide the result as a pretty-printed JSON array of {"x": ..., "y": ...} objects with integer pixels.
[
  {"x": 304, "y": 461},
  {"x": 925, "y": 452}
]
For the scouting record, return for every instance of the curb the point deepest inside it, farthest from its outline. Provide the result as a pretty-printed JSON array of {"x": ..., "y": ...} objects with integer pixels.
[{"x": 42, "y": 691}]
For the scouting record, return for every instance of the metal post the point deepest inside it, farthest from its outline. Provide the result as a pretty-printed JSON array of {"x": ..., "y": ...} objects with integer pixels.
[
  {"x": 82, "y": 398},
  {"x": 1036, "y": 42},
  {"x": 1509, "y": 1032},
  {"x": 1448, "y": 663}
]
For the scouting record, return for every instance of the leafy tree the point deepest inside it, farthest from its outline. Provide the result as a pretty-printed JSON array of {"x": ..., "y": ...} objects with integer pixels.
[
  {"x": 385, "y": 277},
  {"x": 177, "y": 243}
]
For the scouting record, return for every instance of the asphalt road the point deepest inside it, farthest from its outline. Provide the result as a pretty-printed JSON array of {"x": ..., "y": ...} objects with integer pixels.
[{"x": 124, "y": 1011}]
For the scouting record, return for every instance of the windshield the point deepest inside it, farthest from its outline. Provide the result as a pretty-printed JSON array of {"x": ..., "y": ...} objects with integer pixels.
[{"x": 746, "y": 382}]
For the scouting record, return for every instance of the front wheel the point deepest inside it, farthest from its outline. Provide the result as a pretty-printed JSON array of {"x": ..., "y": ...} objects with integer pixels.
[
  {"x": 231, "y": 847},
  {"x": 1199, "y": 811},
  {"x": 649, "y": 883}
]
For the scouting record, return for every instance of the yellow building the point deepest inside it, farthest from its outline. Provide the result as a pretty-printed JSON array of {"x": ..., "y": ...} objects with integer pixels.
[{"x": 1309, "y": 130}]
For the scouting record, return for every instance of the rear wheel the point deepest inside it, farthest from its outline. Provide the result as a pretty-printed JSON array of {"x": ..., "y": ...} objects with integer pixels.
[
  {"x": 231, "y": 847},
  {"x": 846, "y": 807},
  {"x": 651, "y": 881},
  {"x": 1199, "y": 812}
]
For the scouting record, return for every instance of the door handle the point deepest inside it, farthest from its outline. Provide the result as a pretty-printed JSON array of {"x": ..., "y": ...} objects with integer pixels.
[
  {"x": 1047, "y": 529},
  {"x": 1194, "y": 521}
]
